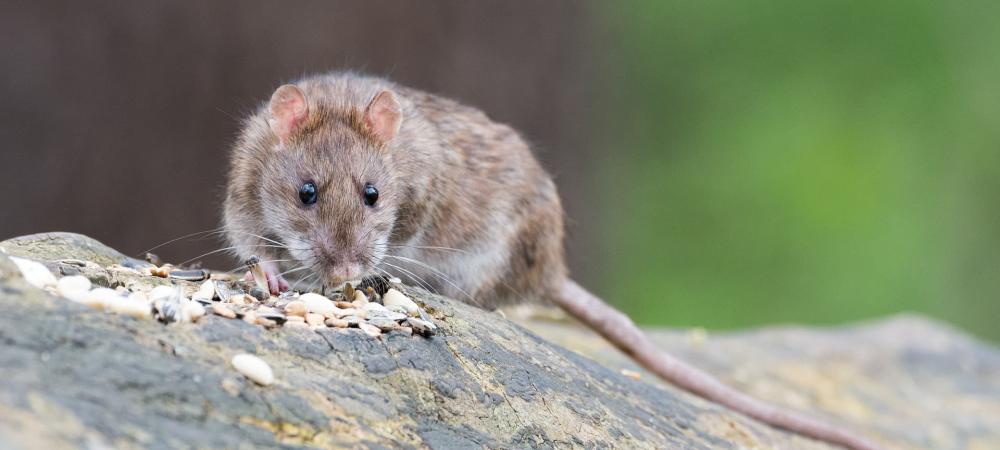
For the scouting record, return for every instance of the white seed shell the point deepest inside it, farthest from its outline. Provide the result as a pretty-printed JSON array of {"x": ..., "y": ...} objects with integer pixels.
[
  {"x": 254, "y": 368},
  {"x": 35, "y": 272},
  {"x": 317, "y": 304},
  {"x": 395, "y": 298}
]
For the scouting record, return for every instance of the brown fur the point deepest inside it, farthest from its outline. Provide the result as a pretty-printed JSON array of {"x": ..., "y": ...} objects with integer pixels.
[
  {"x": 460, "y": 194},
  {"x": 451, "y": 178}
]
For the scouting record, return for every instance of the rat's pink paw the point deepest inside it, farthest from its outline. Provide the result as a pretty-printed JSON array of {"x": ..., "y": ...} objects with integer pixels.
[{"x": 275, "y": 282}]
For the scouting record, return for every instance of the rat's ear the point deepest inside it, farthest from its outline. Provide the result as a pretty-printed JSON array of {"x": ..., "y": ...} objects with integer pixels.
[
  {"x": 383, "y": 116},
  {"x": 288, "y": 110}
]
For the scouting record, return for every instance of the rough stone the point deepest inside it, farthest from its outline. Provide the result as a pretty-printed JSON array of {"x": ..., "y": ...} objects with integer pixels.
[{"x": 79, "y": 377}]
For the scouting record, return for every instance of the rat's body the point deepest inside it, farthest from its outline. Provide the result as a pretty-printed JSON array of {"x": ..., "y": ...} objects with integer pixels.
[{"x": 460, "y": 206}]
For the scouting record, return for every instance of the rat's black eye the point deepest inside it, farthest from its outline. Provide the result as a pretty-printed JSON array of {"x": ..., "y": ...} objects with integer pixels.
[
  {"x": 371, "y": 194},
  {"x": 307, "y": 193}
]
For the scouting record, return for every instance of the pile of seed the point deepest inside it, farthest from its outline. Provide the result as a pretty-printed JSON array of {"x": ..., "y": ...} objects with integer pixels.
[
  {"x": 374, "y": 311},
  {"x": 347, "y": 307}
]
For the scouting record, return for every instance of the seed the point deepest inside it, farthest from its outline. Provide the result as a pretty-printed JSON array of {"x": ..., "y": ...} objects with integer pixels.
[
  {"x": 395, "y": 298},
  {"x": 73, "y": 287},
  {"x": 192, "y": 311},
  {"x": 34, "y": 272},
  {"x": 135, "y": 305},
  {"x": 206, "y": 291},
  {"x": 258, "y": 273},
  {"x": 224, "y": 311},
  {"x": 254, "y": 368},
  {"x": 338, "y": 323},
  {"x": 421, "y": 326},
  {"x": 314, "y": 319},
  {"x": 189, "y": 275},
  {"x": 631, "y": 374},
  {"x": 370, "y": 329},
  {"x": 296, "y": 308},
  {"x": 316, "y": 303},
  {"x": 259, "y": 294}
]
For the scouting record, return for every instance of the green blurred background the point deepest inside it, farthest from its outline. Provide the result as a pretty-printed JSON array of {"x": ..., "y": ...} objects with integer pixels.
[
  {"x": 814, "y": 162},
  {"x": 723, "y": 164}
]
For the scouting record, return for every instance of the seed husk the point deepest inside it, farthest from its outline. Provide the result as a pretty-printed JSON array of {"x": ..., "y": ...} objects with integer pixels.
[{"x": 254, "y": 368}]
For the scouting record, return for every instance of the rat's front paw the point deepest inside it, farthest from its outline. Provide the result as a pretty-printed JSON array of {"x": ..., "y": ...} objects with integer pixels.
[{"x": 275, "y": 282}]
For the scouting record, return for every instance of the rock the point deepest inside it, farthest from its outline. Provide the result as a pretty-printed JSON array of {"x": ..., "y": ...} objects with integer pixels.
[
  {"x": 395, "y": 298},
  {"x": 253, "y": 368},
  {"x": 360, "y": 297},
  {"x": 35, "y": 273},
  {"x": 73, "y": 287},
  {"x": 77, "y": 377},
  {"x": 296, "y": 308},
  {"x": 316, "y": 303}
]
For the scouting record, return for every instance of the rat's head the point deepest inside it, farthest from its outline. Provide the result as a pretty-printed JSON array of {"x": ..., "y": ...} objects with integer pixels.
[{"x": 328, "y": 189}]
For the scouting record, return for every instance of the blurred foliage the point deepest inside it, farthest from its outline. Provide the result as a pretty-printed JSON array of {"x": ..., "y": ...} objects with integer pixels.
[{"x": 812, "y": 162}]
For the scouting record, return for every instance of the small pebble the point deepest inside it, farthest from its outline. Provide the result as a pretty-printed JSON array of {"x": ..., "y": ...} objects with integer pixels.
[
  {"x": 254, "y": 368},
  {"x": 35, "y": 273},
  {"x": 370, "y": 329},
  {"x": 405, "y": 330},
  {"x": 344, "y": 305},
  {"x": 296, "y": 308},
  {"x": 337, "y": 323},
  {"x": 295, "y": 319},
  {"x": 369, "y": 307},
  {"x": 223, "y": 310},
  {"x": 73, "y": 287},
  {"x": 352, "y": 321},
  {"x": 297, "y": 325},
  {"x": 393, "y": 297},
  {"x": 250, "y": 317},
  {"x": 360, "y": 297},
  {"x": 314, "y": 319},
  {"x": 316, "y": 303}
]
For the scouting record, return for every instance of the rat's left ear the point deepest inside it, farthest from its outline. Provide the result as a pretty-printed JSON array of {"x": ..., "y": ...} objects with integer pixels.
[
  {"x": 383, "y": 116},
  {"x": 288, "y": 109}
]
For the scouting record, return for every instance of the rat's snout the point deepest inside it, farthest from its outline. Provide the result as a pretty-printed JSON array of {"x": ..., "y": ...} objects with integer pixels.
[{"x": 339, "y": 263}]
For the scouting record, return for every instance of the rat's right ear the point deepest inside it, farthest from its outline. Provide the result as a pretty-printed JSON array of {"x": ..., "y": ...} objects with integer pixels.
[{"x": 288, "y": 110}]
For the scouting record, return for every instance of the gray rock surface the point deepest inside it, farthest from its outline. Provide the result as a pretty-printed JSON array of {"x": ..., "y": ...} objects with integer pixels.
[{"x": 78, "y": 377}]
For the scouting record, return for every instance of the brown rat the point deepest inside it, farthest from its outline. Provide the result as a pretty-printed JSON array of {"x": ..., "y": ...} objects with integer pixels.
[{"x": 341, "y": 176}]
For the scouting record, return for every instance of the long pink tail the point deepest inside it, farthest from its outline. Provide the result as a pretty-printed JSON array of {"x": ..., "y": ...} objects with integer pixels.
[{"x": 618, "y": 329}]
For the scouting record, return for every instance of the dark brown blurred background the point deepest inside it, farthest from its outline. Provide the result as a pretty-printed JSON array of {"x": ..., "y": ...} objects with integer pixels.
[
  {"x": 118, "y": 116},
  {"x": 723, "y": 164}
]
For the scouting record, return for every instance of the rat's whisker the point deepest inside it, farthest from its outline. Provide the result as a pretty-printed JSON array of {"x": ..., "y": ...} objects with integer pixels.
[{"x": 437, "y": 273}]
